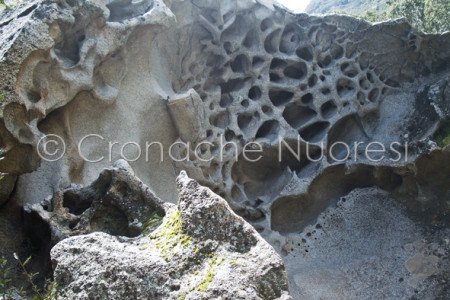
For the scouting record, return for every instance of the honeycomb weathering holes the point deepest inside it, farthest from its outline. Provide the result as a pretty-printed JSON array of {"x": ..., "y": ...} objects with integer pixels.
[{"x": 270, "y": 77}]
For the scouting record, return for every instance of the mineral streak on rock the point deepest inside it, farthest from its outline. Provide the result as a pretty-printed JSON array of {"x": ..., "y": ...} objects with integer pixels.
[{"x": 236, "y": 72}]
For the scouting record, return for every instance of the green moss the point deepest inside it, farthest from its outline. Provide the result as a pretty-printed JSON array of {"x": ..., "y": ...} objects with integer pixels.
[
  {"x": 169, "y": 236},
  {"x": 442, "y": 136}
]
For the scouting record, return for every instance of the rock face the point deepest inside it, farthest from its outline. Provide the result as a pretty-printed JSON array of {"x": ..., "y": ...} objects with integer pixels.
[
  {"x": 180, "y": 259},
  {"x": 348, "y": 6},
  {"x": 138, "y": 80}
]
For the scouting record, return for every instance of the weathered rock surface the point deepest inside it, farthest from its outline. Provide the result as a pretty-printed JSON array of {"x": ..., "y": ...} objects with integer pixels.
[
  {"x": 117, "y": 203},
  {"x": 234, "y": 72},
  {"x": 180, "y": 259}
]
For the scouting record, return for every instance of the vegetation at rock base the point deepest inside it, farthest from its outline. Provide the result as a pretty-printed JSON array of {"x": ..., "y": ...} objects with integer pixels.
[
  {"x": 8, "y": 291},
  {"x": 442, "y": 136},
  {"x": 431, "y": 16}
]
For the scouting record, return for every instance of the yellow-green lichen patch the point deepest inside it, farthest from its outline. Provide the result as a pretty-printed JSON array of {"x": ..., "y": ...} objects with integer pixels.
[
  {"x": 442, "y": 136},
  {"x": 209, "y": 276},
  {"x": 169, "y": 237},
  {"x": 152, "y": 221}
]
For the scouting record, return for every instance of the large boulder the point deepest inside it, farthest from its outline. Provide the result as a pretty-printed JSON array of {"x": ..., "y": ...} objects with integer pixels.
[{"x": 202, "y": 250}]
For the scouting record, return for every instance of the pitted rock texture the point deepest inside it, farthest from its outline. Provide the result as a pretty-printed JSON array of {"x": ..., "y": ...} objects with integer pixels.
[
  {"x": 175, "y": 261},
  {"x": 117, "y": 203},
  {"x": 236, "y": 72}
]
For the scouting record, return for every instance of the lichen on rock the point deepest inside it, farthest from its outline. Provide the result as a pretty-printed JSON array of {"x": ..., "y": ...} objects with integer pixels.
[{"x": 172, "y": 261}]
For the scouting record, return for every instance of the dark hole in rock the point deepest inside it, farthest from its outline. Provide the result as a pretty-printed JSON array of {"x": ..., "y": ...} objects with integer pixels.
[
  {"x": 33, "y": 96},
  {"x": 348, "y": 69},
  {"x": 266, "y": 24},
  {"x": 277, "y": 63},
  {"x": 275, "y": 77},
  {"x": 280, "y": 97},
  {"x": 272, "y": 41},
  {"x": 290, "y": 38},
  {"x": 307, "y": 98},
  {"x": 374, "y": 94},
  {"x": 111, "y": 220},
  {"x": 232, "y": 85},
  {"x": 221, "y": 120},
  {"x": 247, "y": 122},
  {"x": 241, "y": 64},
  {"x": 312, "y": 80},
  {"x": 257, "y": 61},
  {"x": 255, "y": 93},
  {"x": 296, "y": 71},
  {"x": 252, "y": 39},
  {"x": 297, "y": 115},
  {"x": 336, "y": 51},
  {"x": 328, "y": 109},
  {"x": 324, "y": 61},
  {"x": 68, "y": 49},
  {"x": 229, "y": 135},
  {"x": 345, "y": 87},
  {"x": 325, "y": 91},
  {"x": 225, "y": 100},
  {"x": 228, "y": 47},
  {"x": 305, "y": 53},
  {"x": 267, "y": 110},
  {"x": 361, "y": 97},
  {"x": 315, "y": 132},
  {"x": 364, "y": 83},
  {"x": 76, "y": 204},
  {"x": 268, "y": 130},
  {"x": 268, "y": 175}
]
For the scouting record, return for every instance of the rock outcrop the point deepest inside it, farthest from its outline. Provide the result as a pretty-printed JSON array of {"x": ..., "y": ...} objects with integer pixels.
[
  {"x": 200, "y": 250},
  {"x": 85, "y": 83}
]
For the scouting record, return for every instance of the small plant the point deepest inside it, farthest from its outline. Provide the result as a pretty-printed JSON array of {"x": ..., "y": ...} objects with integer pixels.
[
  {"x": 442, "y": 136},
  {"x": 7, "y": 291},
  {"x": 50, "y": 291},
  {"x": 6, "y": 6}
]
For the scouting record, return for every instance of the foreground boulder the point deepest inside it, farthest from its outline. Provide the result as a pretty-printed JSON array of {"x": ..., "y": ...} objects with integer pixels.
[{"x": 202, "y": 250}]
